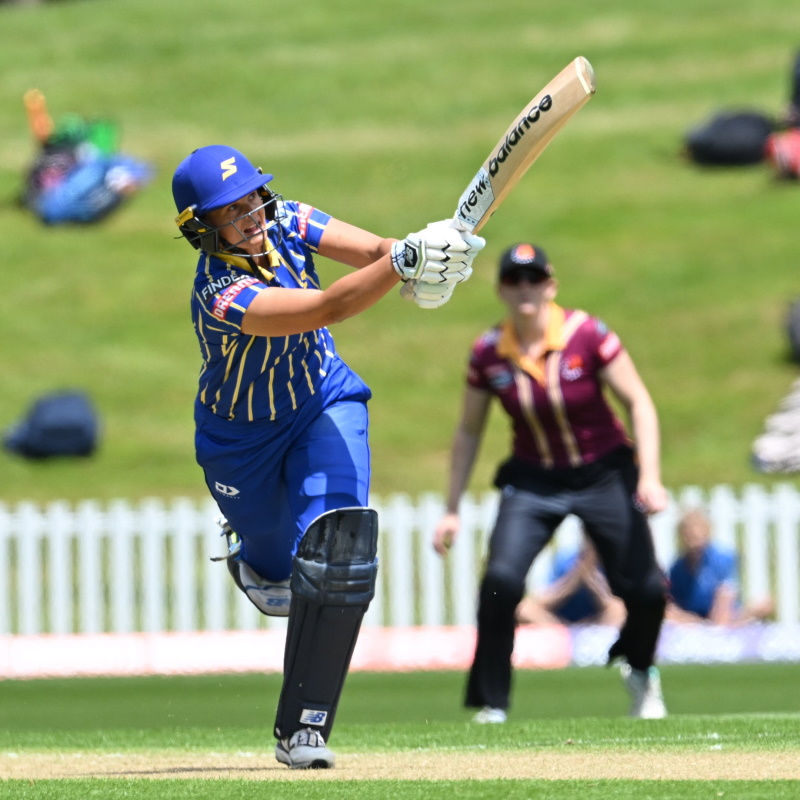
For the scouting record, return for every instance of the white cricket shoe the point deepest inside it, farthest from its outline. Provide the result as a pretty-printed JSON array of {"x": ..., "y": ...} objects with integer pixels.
[
  {"x": 490, "y": 716},
  {"x": 304, "y": 749},
  {"x": 644, "y": 686}
]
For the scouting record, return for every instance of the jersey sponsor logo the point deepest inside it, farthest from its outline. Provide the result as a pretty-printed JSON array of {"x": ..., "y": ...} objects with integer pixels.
[
  {"x": 217, "y": 285},
  {"x": 313, "y": 716},
  {"x": 228, "y": 167},
  {"x": 220, "y": 306},
  {"x": 228, "y": 491},
  {"x": 303, "y": 215},
  {"x": 609, "y": 346},
  {"x": 499, "y": 377},
  {"x": 572, "y": 367}
]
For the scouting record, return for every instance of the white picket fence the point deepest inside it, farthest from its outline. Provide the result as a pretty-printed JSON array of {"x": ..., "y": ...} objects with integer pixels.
[{"x": 123, "y": 567}]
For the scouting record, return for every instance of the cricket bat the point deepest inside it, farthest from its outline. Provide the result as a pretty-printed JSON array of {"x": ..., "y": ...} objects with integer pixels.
[{"x": 523, "y": 142}]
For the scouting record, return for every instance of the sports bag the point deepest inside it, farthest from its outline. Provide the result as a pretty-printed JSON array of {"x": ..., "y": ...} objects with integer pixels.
[
  {"x": 58, "y": 424},
  {"x": 730, "y": 138}
]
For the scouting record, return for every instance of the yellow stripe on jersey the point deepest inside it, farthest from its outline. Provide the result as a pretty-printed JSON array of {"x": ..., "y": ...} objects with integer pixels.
[
  {"x": 528, "y": 409},
  {"x": 558, "y": 405},
  {"x": 555, "y": 394},
  {"x": 289, "y": 384},
  {"x": 238, "y": 385}
]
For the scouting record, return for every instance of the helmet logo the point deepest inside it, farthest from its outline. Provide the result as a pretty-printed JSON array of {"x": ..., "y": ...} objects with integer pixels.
[{"x": 229, "y": 167}]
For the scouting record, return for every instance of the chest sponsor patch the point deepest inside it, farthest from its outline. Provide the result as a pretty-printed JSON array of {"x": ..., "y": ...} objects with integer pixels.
[{"x": 222, "y": 303}]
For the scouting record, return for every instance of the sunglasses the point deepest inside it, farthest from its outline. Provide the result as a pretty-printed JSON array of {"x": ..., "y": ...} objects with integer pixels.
[{"x": 518, "y": 275}]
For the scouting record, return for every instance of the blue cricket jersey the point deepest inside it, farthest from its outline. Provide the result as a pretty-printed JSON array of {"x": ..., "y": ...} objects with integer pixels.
[{"x": 256, "y": 378}]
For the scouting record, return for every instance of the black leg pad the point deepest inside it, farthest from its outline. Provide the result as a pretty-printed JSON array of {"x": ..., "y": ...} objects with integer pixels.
[{"x": 333, "y": 582}]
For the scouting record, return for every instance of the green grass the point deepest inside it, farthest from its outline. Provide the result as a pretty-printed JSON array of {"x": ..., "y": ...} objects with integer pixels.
[
  {"x": 409, "y": 790},
  {"x": 83, "y": 706},
  {"x": 381, "y": 117},
  {"x": 748, "y": 709}
]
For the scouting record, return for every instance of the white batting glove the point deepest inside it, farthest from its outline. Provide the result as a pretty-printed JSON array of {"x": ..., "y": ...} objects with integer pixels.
[
  {"x": 438, "y": 254},
  {"x": 431, "y": 295}
]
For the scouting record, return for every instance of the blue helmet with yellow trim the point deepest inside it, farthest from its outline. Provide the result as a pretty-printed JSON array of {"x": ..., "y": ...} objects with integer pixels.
[{"x": 211, "y": 177}]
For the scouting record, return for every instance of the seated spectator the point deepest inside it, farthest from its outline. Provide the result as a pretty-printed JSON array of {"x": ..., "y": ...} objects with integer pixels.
[
  {"x": 705, "y": 579},
  {"x": 578, "y": 593}
]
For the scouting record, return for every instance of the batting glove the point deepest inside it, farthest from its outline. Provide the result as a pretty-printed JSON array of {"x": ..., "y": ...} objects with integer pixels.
[
  {"x": 438, "y": 254},
  {"x": 431, "y": 295}
]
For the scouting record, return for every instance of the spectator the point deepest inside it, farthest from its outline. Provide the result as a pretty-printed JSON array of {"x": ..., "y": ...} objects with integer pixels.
[
  {"x": 578, "y": 593},
  {"x": 705, "y": 579}
]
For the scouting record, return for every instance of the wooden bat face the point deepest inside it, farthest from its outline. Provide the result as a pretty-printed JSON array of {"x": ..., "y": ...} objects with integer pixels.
[{"x": 523, "y": 142}]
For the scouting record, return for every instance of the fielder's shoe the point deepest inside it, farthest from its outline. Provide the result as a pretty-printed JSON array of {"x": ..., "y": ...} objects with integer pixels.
[
  {"x": 645, "y": 690},
  {"x": 304, "y": 749},
  {"x": 488, "y": 715}
]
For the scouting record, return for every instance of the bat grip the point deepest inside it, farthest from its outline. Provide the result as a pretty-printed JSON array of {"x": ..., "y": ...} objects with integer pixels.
[{"x": 407, "y": 289}]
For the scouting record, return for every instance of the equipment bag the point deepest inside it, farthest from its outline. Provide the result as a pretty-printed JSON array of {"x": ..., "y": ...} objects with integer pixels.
[
  {"x": 59, "y": 424},
  {"x": 730, "y": 138}
]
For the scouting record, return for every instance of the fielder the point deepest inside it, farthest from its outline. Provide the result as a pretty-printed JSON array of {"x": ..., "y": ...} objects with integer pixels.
[{"x": 281, "y": 420}]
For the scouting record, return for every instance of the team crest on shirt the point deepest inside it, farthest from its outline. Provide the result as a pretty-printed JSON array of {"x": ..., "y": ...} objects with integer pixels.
[
  {"x": 500, "y": 378},
  {"x": 572, "y": 367}
]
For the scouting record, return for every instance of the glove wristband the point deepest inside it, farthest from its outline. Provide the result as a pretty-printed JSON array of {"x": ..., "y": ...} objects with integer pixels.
[{"x": 406, "y": 259}]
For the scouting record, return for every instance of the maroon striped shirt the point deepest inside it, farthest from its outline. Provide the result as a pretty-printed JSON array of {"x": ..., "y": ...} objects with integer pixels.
[{"x": 559, "y": 414}]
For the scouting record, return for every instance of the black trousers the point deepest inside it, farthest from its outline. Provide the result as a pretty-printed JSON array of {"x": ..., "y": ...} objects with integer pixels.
[{"x": 529, "y": 513}]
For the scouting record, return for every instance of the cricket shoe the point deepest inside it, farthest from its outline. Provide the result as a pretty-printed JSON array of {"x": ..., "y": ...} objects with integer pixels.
[
  {"x": 304, "y": 749},
  {"x": 644, "y": 686},
  {"x": 490, "y": 716}
]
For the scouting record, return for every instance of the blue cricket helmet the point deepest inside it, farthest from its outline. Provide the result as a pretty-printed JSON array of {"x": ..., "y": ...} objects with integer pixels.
[{"x": 214, "y": 176}]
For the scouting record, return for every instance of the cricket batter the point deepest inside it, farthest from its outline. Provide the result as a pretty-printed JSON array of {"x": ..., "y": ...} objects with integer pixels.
[{"x": 281, "y": 420}]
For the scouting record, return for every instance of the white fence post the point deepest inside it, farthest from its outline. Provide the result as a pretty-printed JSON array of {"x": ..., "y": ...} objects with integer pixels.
[
  {"x": 152, "y": 533},
  {"x": 120, "y": 521},
  {"x": 400, "y": 521},
  {"x": 29, "y": 523},
  {"x": 787, "y": 554},
  {"x": 60, "y": 579},
  {"x": 5, "y": 570},
  {"x": 89, "y": 526}
]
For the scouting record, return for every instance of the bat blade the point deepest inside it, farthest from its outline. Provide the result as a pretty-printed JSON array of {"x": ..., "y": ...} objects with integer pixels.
[{"x": 523, "y": 142}]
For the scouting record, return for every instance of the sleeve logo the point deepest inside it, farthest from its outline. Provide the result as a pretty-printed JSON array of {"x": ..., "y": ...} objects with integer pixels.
[
  {"x": 303, "y": 215},
  {"x": 609, "y": 347},
  {"x": 220, "y": 306}
]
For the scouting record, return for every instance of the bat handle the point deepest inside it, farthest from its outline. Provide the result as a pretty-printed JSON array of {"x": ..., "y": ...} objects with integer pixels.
[{"x": 407, "y": 289}]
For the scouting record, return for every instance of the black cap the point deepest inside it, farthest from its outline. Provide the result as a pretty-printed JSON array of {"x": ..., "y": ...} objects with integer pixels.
[{"x": 525, "y": 257}]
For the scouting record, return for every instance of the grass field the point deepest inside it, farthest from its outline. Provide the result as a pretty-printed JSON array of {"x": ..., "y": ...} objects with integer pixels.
[
  {"x": 732, "y": 730},
  {"x": 381, "y": 117}
]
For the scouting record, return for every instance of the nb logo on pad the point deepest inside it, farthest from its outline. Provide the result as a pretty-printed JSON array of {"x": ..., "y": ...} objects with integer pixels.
[
  {"x": 228, "y": 166},
  {"x": 311, "y": 716},
  {"x": 228, "y": 491}
]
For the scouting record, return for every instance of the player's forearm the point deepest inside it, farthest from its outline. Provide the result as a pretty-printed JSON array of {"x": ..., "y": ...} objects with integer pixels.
[
  {"x": 644, "y": 422},
  {"x": 283, "y": 311},
  {"x": 462, "y": 459}
]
